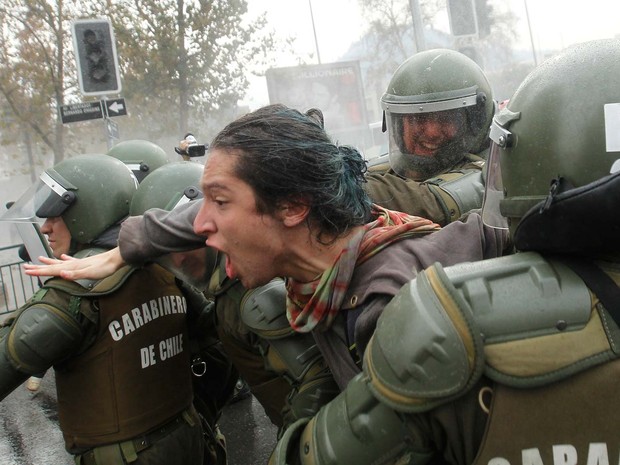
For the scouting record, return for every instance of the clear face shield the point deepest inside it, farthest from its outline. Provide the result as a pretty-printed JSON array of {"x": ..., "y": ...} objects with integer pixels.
[
  {"x": 427, "y": 138},
  {"x": 46, "y": 198},
  {"x": 194, "y": 267},
  {"x": 494, "y": 189}
]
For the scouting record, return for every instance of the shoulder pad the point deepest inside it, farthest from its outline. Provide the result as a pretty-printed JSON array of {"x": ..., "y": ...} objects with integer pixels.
[
  {"x": 423, "y": 352},
  {"x": 263, "y": 310},
  {"x": 537, "y": 316},
  {"x": 521, "y": 319},
  {"x": 112, "y": 282},
  {"x": 82, "y": 287},
  {"x": 64, "y": 285}
]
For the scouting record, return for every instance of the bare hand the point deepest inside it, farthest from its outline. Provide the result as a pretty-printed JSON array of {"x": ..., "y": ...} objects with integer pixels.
[{"x": 94, "y": 267}]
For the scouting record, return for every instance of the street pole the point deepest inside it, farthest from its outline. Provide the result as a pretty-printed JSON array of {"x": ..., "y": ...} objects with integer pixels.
[
  {"x": 418, "y": 26},
  {"x": 316, "y": 42},
  {"x": 529, "y": 27}
]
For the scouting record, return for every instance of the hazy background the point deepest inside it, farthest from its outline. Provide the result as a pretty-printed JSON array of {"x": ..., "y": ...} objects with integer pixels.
[{"x": 189, "y": 65}]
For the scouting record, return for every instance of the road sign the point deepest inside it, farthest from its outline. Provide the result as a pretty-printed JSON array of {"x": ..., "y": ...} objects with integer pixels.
[
  {"x": 81, "y": 112},
  {"x": 96, "y": 59},
  {"x": 114, "y": 107}
]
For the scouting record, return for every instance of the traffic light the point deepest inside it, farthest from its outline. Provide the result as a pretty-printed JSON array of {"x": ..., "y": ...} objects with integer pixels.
[
  {"x": 462, "y": 17},
  {"x": 95, "y": 54},
  {"x": 484, "y": 15}
]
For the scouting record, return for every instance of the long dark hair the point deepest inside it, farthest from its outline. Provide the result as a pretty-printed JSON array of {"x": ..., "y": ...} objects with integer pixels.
[{"x": 286, "y": 156}]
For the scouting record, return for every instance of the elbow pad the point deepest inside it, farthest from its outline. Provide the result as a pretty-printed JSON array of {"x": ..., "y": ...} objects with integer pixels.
[
  {"x": 41, "y": 336},
  {"x": 353, "y": 428},
  {"x": 458, "y": 192}
]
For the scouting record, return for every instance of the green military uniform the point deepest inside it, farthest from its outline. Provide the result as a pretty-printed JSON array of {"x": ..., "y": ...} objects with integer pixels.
[
  {"x": 511, "y": 360},
  {"x": 120, "y": 355},
  {"x": 480, "y": 383},
  {"x": 448, "y": 88},
  {"x": 137, "y": 334},
  {"x": 443, "y": 198},
  {"x": 119, "y": 346},
  {"x": 284, "y": 369}
]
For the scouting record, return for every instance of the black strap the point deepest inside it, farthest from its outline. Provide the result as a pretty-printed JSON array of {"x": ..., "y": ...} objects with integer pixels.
[{"x": 598, "y": 281}]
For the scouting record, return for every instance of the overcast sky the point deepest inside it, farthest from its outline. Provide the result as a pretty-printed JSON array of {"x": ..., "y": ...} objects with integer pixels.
[{"x": 554, "y": 24}]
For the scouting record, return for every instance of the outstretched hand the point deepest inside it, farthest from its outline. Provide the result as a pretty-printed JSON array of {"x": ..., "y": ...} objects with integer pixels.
[{"x": 93, "y": 267}]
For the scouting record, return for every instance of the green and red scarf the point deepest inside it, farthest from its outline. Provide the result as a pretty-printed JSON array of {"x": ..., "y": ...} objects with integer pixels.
[{"x": 315, "y": 304}]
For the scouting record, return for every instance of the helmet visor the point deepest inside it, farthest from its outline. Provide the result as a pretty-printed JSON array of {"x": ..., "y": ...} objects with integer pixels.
[
  {"x": 494, "y": 192},
  {"x": 193, "y": 267},
  {"x": 424, "y": 144},
  {"x": 44, "y": 199}
]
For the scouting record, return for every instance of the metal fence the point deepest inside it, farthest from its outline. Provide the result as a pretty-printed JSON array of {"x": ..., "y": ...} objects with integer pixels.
[{"x": 16, "y": 287}]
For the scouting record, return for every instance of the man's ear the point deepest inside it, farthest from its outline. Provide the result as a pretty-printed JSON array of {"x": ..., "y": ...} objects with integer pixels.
[{"x": 293, "y": 214}]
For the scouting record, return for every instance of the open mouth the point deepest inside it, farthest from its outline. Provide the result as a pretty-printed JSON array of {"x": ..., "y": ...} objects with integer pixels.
[
  {"x": 230, "y": 272},
  {"x": 426, "y": 149}
]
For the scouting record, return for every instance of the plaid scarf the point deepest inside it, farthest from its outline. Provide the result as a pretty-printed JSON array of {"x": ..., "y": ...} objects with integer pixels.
[{"x": 315, "y": 304}]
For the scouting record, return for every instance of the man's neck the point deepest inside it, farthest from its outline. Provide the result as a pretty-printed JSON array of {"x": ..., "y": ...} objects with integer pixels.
[{"x": 308, "y": 258}]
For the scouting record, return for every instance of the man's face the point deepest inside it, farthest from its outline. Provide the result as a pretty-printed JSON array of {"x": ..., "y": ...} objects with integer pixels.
[
  {"x": 58, "y": 235},
  {"x": 426, "y": 133},
  {"x": 252, "y": 241}
]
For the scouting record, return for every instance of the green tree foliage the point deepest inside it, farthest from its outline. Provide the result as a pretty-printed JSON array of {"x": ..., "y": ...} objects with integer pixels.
[
  {"x": 183, "y": 63},
  {"x": 33, "y": 64},
  {"x": 186, "y": 61}
]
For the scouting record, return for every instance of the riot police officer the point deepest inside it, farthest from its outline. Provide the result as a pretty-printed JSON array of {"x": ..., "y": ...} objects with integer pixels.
[
  {"x": 510, "y": 360},
  {"x": 117, "y": 345},
  {"x": 437, "y": 110}
]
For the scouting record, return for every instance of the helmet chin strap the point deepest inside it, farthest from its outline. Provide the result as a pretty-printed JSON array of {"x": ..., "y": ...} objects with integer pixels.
[{"x": 75, "y": 247}]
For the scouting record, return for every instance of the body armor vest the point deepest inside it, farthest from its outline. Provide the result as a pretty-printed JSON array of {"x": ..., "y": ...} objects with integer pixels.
[
  {"x": 539, "y": 426},
  {"x": 134, "y": 375}
]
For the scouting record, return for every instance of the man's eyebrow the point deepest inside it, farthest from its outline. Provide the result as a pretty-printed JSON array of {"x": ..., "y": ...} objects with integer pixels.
[{"x": 214, "y": 186}]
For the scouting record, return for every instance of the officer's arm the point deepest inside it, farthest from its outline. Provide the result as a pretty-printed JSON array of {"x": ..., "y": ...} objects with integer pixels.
[
  {"x": 353, "y": 428},
  {"x": 396, "y": 193},
  {"x": 40, "y": 336},
  {"x": 443, "y": 199}
]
